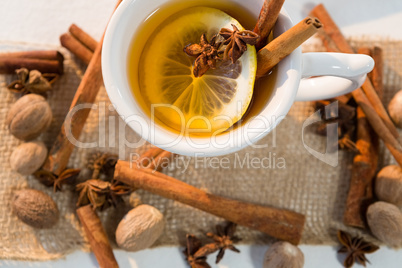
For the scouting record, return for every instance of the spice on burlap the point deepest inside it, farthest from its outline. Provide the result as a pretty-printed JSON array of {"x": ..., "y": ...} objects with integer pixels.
[{"x": 306, "y": 184}]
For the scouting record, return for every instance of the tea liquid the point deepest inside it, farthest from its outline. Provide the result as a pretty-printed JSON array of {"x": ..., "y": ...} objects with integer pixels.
[{"x": 263, "y": 87}]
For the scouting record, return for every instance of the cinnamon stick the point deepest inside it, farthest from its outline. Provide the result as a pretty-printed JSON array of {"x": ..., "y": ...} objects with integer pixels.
[
  {"x": 146, "y": 158},
  {"x": 328, "y": 42},
  {"x": 365, "y": 51},
  {"x": 128, "y": 165},
  {"x": 266, "y": 20},
  {"x": 378, "y": 125},
  {"x": 76, "y": 47},
  {"x": 378, "y": 106},
  {"x": 46, "y": 61},
  {"x": 332, "y": 31},
  {"x": 158, "y": 161},
  {"x": 377, "y": 74},
  {"x": 86, "y": 93},
  {"x": 35, "y": 54},
  {"x": 152, "y": 159},
  {"x": 365, "y": 163},
  {"x": 79, "y": 43},
  {"x": 344, "y": 98},
  {"x": 363, "y": 171},
  {"x": 279, "y": 223},
  {"x": 364, "y": 167},
  {"x": 283, "y": 45},
  {"x": 83, "y": 37},
  {"x": 97, "y": 237}
]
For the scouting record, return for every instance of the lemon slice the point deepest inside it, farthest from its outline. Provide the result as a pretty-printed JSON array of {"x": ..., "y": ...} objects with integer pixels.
[{"x": 208, "y": 104}]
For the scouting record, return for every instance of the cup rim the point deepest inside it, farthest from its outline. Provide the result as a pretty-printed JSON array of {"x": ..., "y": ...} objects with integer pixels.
[{"x": 113, "y": 60}]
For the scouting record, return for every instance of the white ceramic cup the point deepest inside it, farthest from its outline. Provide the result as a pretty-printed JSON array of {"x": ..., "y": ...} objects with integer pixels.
[{"x": 338, "y": 74}]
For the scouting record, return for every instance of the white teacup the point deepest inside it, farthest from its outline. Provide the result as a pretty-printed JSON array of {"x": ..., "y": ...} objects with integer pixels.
[{"x": 339, "y": 74}]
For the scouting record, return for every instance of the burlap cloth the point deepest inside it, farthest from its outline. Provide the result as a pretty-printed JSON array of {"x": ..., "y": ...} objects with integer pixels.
[{"x": 306, "y": 184}]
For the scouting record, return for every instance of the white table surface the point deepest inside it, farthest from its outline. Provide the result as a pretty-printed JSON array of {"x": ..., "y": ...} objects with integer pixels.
[{"x": 43, "y": 21}]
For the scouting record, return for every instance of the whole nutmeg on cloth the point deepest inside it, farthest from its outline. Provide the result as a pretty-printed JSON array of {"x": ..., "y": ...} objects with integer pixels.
[
  {"x": 29, "y": 117},
  {"x": 385, "y": 222},
  {"x": 28, "y": 157},
  {"x": 35, "y": 208},
  {"x": 395, "y": 109},
  {"x": 140, "y": 228},
  {"x": 388, "y": 185},
  {"x": 283, "y": 255}
]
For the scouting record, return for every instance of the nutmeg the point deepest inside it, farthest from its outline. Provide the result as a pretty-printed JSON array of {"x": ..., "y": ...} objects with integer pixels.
[
  {"x": 29, "y": 117},
  {"x": 139, "y": 228},
  {"x": 395, "y": 109},
  {"x": 28, "y": 157},
  {"x": 35, "y": 208},
  {"x": 385, "y": 222},
  {"x": 388, "y": 185},
  {"x": 283, "y": 255}
]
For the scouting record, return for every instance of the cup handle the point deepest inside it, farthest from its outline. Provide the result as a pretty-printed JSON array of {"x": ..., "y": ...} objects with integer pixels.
[{"x": 338, "y": 74}]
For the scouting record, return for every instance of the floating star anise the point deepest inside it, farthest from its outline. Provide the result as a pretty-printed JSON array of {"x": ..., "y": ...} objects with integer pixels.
[
  {"x": 48, "y": 178},
  {"x": 207, "y": 54},
  {"x": 356, "y": 248},
  {"x": 193, "y": 246},
  {"x": 32, "y": 82},
  {"x": 224, "y": 239},
  {"x": 237, "y": 41}
]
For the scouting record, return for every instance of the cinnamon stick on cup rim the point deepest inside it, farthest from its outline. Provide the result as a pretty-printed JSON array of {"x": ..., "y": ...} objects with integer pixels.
[
  {"x": 266, "y": 20},
  {"x": 286, "y": 43},
  {"x": 97, "y": 237},
  {"x": 280, "y": 223}
]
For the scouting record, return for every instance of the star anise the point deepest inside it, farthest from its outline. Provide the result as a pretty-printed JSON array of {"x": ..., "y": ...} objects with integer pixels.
[
  {"x": 101, "y": 194},
  {"x": 50, "y": 179},
  {"x": 94, "y": 192},
  {"x": 193, "y": 246},
  {"x": 345, "y": 117},
  {"x": 45, "y": 177},
  {"x": 117, "y": 190},
  {"x": 102, "y": 163},
  {"x": 356, "y": 248},
  {"x": 32, "y": 82},
  {"x": 224, "y": 239},
  {"x": 207, "y": 54},
  {"x": 237, "y": 41},
  {"x": 66, "y": 177}
]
